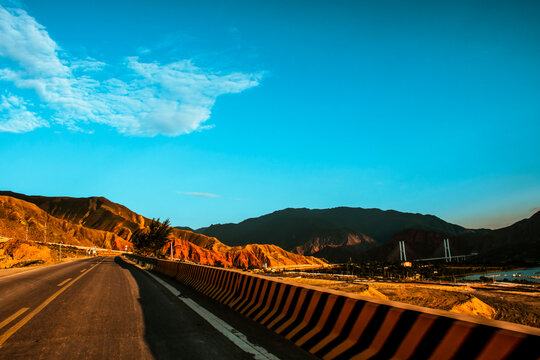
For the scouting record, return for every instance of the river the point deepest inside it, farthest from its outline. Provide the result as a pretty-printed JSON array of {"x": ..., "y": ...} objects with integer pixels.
[{"x": 525, "y": 274}]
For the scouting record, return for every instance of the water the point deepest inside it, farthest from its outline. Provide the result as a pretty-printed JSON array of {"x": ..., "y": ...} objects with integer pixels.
[{"x": 501, "y": 275}]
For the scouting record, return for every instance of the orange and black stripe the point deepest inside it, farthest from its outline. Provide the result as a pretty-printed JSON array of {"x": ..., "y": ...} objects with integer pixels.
[{"x": 334, "y": 325}]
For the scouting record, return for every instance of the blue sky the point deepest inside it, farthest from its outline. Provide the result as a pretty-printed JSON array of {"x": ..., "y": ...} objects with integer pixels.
[{"x": 210, "y": 112}]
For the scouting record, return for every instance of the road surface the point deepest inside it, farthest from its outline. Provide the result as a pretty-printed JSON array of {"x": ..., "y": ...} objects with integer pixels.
[{"x": 107, "y": 308}]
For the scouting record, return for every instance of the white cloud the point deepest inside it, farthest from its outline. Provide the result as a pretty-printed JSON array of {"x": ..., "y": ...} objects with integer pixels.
[
  {"x": 15, "y": 117},
  {"x": 27, "y": 43},
  {"x": 151, "y": 99},
  {"x": 87, "y": 65},
  {"x": 200, "y": 194}
]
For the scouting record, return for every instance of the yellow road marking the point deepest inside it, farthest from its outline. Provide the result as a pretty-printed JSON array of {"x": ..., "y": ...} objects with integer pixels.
[
  {"x": 63, "y": 282},
  {"x": 83, "y": 270},
  {"x": 12, "y": 330},
  {"x": 12, "y": 317}
]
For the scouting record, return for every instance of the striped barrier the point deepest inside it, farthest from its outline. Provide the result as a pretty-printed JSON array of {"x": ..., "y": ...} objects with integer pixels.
[
  {"x": 142, "y": 260},
  {"x": 168, "y": 268},
  {"x": 337, "y": 325}
]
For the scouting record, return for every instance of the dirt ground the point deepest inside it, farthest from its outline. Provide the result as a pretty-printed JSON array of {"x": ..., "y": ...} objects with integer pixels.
[
  {"x": 518, "y": 304},
  {"x": 21, "y": 254}
]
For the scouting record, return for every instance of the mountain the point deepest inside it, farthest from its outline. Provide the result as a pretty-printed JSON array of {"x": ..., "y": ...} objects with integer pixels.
[
  {"x": 334, "y": 238},
  {"x": 517, "y": 243},
  {"x": 93, "y": 212},
  {"x": 17, "y": 215},
  {"x": 100, "y": 213},
  {"x": 99, "y": 221},
  {"x": 248, "y": 256},
  {"x": 184, "y": 228},
  {"x": 419, "y": 244},
  {"x": 331, "y": 233}
]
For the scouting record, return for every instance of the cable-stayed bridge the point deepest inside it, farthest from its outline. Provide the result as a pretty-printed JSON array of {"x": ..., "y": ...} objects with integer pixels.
[{"x": 447, "y": 254}]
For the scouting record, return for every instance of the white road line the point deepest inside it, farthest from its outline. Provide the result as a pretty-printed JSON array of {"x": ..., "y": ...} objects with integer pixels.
[{"x": 227, "y": 330}]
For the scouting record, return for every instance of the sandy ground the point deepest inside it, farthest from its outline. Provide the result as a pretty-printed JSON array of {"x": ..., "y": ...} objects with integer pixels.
[
  {"x": 17, "y": 256},
  {"x": 518, "y": 304}
]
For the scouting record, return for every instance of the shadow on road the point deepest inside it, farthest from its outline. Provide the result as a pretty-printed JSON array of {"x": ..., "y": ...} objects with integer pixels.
[{"x": 171, "y": 329}]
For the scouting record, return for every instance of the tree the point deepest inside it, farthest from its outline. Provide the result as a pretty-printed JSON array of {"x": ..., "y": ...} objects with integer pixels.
[{"x": 150, "y": 240}]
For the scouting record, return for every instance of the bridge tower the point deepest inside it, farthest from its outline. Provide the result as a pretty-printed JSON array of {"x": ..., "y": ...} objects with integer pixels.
[
  {"x": 402, "y": 253},
  {"x": 447, "y": 254}
]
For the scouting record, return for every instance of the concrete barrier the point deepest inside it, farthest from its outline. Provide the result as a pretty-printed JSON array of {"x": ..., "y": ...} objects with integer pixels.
[
  {"x": 142, "y": 260},
  {"x": 169, "y": 268},
  {"x": 337, "y": 325}
]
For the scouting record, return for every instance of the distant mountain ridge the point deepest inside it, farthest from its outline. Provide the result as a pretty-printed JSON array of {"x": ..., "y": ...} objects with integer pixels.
[
  {"x": 337, "y": 234},
  {"x": 327, "y": 231},
  {"x": 334, "y": 238},
  {"x": 517, "y": 243}
]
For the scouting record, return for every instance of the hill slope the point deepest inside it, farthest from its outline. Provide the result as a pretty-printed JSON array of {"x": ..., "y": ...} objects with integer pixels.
[
  {"x": 517, "y": 243},
  {"x": 16, "y": 215},
  {"x": 101, "y": 222},
  {"x": 93, "y": 212},
  {"x": 327, "y": 231}
]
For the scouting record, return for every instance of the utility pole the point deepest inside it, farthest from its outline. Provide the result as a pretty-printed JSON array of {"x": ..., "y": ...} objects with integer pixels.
[
  {"x": 60, "y": 257},
  {"x": 26, "y": 231},
  {"x": 45, "y": 233},
  {"x": 172, "y": 250}
]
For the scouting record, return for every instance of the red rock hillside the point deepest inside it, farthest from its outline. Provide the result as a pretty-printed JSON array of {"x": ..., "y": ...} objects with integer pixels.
[
  {"x": 98, "y": 221},
  {"x": 16, "y": 215}
]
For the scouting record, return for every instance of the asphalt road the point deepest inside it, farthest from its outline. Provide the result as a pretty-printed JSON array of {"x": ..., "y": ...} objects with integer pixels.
[{"x": 106, "y": 308}]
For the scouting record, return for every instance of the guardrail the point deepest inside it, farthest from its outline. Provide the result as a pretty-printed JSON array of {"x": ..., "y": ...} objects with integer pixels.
[{"x": 337, "y": 325}]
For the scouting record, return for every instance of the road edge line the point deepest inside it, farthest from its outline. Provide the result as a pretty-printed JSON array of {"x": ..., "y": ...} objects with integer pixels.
[{"x": 235, "y": 336}]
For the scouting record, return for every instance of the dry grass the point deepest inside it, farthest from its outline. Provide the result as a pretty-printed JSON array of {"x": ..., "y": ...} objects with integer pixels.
[
  {"x": 16, "y": 253},
  {"x": 521, "y": 308},
  {"x": 509, "y": 304},
  {"x": 355, "y": 288}
]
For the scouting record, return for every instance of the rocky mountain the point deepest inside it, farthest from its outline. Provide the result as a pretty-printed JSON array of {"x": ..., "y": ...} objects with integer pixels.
[
  {"x": 252, "y": 255},
  {"x": 334, "y": 238},
  {"x": 16, "y": 216},
  {"x": 184, "y": 228},
  {"x": 92, "y": 212},
  {"x": 331, "y": 233},
  {"x": 419, "y": 244},
  {"x": 101, "y": 222},
  {"x": 517, "y": 243}
]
